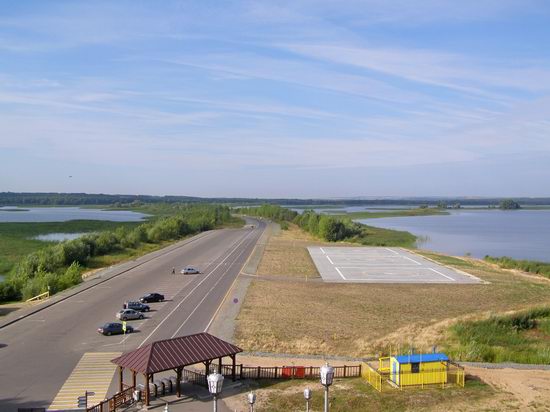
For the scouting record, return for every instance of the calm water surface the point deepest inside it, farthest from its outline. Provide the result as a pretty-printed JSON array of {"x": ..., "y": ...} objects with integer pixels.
[
  {"x": 62, "y": 214},
  {"x": 520, "y": 234}
]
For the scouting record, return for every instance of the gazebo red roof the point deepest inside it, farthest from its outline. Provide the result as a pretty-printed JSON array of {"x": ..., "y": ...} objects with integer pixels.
[{"x": 168, "y": 354}]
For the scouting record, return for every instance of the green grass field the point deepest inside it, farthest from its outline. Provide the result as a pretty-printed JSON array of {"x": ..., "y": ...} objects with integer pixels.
[{"x": 356, "y": 395}]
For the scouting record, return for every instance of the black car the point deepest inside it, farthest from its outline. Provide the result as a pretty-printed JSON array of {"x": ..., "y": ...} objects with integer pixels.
[
  {"x": 114, "y": 329},
  {"x": 140, "y": 307},
  {"x": 152, "y": 297}
]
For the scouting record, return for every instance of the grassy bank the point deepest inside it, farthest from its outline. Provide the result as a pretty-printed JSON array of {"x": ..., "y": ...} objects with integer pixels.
[
  {"x": 356, "y": 395},
  {"x": 521, "y": 337},
  {"x": 530, "y": 266},
  {"x": 58, "y": 266},
  {"x": 17, "y": 239},
  {"x": 279, "y": 311},
  {"x": 334, "y": 228}
]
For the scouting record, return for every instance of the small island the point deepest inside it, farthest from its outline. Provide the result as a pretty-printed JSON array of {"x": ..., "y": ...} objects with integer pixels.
[{"x": 509, "y": 204}]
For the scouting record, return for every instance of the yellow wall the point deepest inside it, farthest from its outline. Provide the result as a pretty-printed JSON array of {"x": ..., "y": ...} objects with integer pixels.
[{"x": 430, "y": 373}]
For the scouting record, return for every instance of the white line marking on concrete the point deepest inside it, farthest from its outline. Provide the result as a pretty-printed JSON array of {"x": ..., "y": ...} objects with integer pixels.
[
  {"x": 340, "y": 273},
  {"x": 391, "y": 250},
  {"x": 412, "y": 260},
  {"x": 437, "y": 271},
  {"x": 322, "y": 250},
  {"x": 329, "y": 259},
  {"x": 189, "y": 294}
]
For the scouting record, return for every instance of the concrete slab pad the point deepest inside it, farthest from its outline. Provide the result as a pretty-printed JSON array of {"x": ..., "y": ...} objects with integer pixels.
[{"x": 382, "y": 265}]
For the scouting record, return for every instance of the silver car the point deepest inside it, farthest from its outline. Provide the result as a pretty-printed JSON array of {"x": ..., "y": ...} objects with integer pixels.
[
  {"x": 129, "y": 314},
  {"x": 190, "y": 270}
]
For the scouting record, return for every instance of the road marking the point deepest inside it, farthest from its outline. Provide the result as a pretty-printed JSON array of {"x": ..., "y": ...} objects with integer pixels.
[
  {"x": 329, "y": 259},
  {"x": 206, "y": 295},
  {"x": 322, "y": 250},
  {"x": 231, "y": 287},
  {"x": 412, "y": 260},
  {"x": 340, "y": 273},
  {"x": 437, "y": 271},
  {"x": 92, "y": 373},
  {"x": 189, "y": 294},
  {"x": 391, "y": 250}
]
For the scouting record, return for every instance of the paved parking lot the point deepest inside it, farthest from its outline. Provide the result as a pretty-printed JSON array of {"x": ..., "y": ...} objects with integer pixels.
[{"x": 382, "y": 265}]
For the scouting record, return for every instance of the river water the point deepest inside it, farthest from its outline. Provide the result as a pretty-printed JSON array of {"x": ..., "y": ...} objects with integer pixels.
[
  {"x": 63, "y": 214},
  {"x": 520, "y": 234}
]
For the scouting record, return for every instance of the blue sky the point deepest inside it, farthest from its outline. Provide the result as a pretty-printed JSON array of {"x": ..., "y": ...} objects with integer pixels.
[{"x": 276, "y": 99}]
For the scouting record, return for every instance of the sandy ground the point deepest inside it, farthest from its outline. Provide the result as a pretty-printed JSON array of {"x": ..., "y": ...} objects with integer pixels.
[{"x": 531, "y": 388}]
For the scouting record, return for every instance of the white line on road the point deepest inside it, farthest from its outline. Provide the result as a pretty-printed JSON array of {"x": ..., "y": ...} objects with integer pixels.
[
  {"x": 391, "y": 250},
  {"x": 340, "y": 273},
  {"x": 412, "y": 260},
  {"x": 322, "y": 250},
  {"x": 205, "y": 296},
  {"x": 189, "y": 294},
  {"x": 437, "y": 271},
  {"x": 329, "y": 259}
]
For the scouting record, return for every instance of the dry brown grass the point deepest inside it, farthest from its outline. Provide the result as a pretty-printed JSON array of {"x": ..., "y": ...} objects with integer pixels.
[
  {"x": 286, "y": 255},
  {"x": 363, "y": 319}
]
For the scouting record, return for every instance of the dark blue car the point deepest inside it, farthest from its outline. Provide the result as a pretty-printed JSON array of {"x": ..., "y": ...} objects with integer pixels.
[{"x": 114, "y": 329}]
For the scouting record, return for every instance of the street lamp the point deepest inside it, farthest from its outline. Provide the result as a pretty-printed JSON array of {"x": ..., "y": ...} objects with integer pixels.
[
  {"x": 215, "y": 382},
  {"x": 307, "y": 395},
  {"x": 327, "y": 375},
  {"x": 251, "y": 400}
]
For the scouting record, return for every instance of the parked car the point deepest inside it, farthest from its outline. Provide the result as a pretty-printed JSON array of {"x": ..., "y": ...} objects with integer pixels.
[
  {"x": 190, "y": 270},
  {"x": 152, "y": 297},
  {"x": 140, "y": 307},
  {"x": 114, "y": 329},
  {"x": 129, "y": 314}
]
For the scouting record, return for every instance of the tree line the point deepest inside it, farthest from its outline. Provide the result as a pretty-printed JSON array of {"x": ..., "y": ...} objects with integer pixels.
[
  {"x": 59, "y": 266},
  {"x": 330, "y": 228}
]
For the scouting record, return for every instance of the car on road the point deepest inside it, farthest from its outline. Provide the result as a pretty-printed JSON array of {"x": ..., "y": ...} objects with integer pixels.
[
  {"x": 190, "y": 270},
  {"x": 129, "y": 314},
  {"x": 152, "y": 297},
  {"x": 140, "y": 307},
  {"x": 114, "y": 328}
]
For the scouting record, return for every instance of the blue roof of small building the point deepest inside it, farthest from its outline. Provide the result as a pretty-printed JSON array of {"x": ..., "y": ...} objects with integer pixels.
[{"x": 422, "y": 357}]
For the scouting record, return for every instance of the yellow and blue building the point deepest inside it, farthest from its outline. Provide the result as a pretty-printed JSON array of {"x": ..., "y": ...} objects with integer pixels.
[{"x": 419, "y": 369}]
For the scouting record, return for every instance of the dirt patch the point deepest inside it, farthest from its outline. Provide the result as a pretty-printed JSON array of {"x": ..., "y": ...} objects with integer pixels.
[{"x": 531, "y": 388}]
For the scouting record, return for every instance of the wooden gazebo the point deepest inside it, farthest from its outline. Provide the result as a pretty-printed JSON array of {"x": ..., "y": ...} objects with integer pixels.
[{"x": 175, "y": 354}]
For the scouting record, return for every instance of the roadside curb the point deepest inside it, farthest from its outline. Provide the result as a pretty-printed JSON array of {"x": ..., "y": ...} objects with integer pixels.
[{"x": 98, "y": 278}]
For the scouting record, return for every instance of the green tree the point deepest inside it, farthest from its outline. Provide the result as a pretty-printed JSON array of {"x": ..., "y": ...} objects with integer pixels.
[{"x": 509, "y": 204}]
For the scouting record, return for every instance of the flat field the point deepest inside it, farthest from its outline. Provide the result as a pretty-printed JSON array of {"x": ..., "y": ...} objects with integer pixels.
[{"x": 287, "y": 313}]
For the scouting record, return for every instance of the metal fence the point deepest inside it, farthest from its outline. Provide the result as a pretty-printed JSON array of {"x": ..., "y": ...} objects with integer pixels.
[{"x": 288, "y": 372}]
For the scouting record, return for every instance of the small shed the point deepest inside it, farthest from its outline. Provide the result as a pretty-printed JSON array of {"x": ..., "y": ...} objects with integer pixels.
[{"x": 419, "y": 369}]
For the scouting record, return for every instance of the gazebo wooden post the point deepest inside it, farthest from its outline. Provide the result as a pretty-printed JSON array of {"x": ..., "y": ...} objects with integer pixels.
[
  {"x": 120, "y": 378},
  {"x": 233, "y": 366},
  {"x": 134, "y": 383},
  {"x": 219, "y": 365},
  {"x": 147, "y": 400},
  {"x": 178, "y": 381},
  {"x": 207, "y": 366}
]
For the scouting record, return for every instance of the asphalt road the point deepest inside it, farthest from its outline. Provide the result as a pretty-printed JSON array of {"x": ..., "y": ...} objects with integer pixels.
[{"x": 38, "y": 353}]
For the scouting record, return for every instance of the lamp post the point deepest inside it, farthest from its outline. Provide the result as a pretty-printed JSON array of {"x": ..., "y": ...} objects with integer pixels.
[
  {"x": 215, "y": 382},
  {"x": 251, "y": 400},
  {"x": 307, "y": 396},
  {"x": 327, "y": 375}
]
